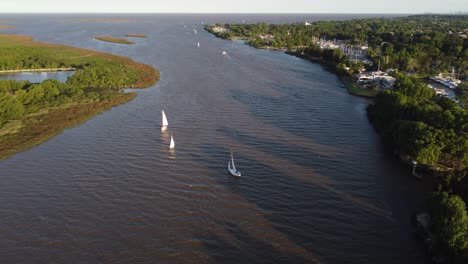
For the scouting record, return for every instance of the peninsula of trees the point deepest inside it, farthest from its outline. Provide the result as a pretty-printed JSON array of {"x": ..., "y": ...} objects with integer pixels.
[
  {"x": 31, "y": 113},
  {"x": 114, "y": 40}
]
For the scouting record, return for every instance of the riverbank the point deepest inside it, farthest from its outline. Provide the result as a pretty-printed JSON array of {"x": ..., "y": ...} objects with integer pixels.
[
  {"x": 34, "y": 113},
  {"x": 38, "y": 70},
  {"x": 350, "y": 86}
]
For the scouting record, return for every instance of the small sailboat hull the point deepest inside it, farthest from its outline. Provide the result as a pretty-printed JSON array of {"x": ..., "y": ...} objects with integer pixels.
[{"x": 232, "y": 168}]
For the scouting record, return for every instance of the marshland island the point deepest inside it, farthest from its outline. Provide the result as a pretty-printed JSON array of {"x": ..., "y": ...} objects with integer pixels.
[
  {"x": 31, "y": 113},
  {"x": 136, "y": 35},
  {"x": 114, "y": 40}
]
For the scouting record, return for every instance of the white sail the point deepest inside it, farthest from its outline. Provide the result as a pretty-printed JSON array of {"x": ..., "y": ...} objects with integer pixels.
[
  {"x": 232, "y": 162},
  {"x": 172, "y": 143},
  {"x": 198, "y": 44},
  {"x": 164, "y": 121}
]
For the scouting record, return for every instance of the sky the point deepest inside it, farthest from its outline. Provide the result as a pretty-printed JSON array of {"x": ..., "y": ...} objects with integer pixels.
[{"x": 233, "y": 6}]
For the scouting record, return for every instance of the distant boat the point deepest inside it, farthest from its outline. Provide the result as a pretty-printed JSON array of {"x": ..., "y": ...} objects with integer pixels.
[
  {"x": 232, "y": 168},
  {"x": 172, "y": 146},
  {"x": 164, "y": 122},
  {"x": 195, "y": 31},
  {"x": 198, "y": 44},
  {"x": 224, "y": 52}
]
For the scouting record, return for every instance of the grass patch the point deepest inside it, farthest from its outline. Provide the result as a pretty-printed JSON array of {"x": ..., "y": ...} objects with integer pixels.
[
  {"x": 355, "y": 89},
  {"x": 114, "y": 40},
  {"x": 11, "y": 127}
]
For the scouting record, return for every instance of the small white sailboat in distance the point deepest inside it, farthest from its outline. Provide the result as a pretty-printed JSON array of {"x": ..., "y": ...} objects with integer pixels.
[
  {"x": 172, "y": 145},
  {"x": 224, "y": 52},
  {"x": 198, "y": 44},
  {"x": 232, "y": 168},
  {"x": 164, "y": 122}
]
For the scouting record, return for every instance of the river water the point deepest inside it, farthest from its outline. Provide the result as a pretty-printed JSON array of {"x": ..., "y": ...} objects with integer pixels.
[
  {"x": 37, "y": 77},
  {"x": 317, "y": 186}
]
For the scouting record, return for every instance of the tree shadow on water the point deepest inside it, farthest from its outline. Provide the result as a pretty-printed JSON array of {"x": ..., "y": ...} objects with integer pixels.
[
  {"x": 240, "y": 247},
  {"x": 310, "y": 215}
]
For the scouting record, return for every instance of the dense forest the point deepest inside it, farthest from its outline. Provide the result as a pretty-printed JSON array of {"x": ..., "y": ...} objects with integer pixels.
[
  {"x": 419, "y": 126},
  {"x": 426, "y": 44},
  {"x": 94, "y": 87}
]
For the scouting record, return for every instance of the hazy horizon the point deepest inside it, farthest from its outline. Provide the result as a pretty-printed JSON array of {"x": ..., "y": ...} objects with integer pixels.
[{"x": 237, "y": 7}]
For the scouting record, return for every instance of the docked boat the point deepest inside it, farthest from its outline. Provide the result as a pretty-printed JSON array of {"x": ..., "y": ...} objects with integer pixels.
[
  {"x": 164, "y": 121},
  {"x": 232, "y": 168}
]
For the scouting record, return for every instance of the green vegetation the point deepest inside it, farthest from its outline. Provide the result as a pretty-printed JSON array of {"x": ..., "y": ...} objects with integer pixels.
[
  {"x": 418, "y": 126},
  {"x": 136, "y": 35},
  {"x": 33, "y": 112},
  {"x": 449, "y": 223},
  {"x": 114, "y": 40},
  {"x": 355, "y": 89},
  {"x": 426, "y": 44},
  {"x": 462, "y": 91}
]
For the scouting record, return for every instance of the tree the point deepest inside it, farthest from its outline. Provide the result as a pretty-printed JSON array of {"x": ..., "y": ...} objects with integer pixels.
[
  {"x": 10, "y": 108},
  {"x": 418, "y": 140},
  {"x": 450, "y": 221}
]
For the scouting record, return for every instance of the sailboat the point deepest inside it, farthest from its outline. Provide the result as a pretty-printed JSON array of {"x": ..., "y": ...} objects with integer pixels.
[
  {"x": 164, "y": 122},
  {"x": 232, "y": 168},
  {"x": 172, "y": 146},
  {"x": 224, "y": 52},
  {"x": 198, "y": 44}
]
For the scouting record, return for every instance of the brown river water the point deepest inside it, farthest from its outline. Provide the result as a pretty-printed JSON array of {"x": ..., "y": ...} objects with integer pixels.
[{"x": 317, "y": 186}]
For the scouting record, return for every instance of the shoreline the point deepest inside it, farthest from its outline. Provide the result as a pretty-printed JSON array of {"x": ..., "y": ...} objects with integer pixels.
[
  {"x": 37, "y": 70},
  {"x": 352, "y": 88}
]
